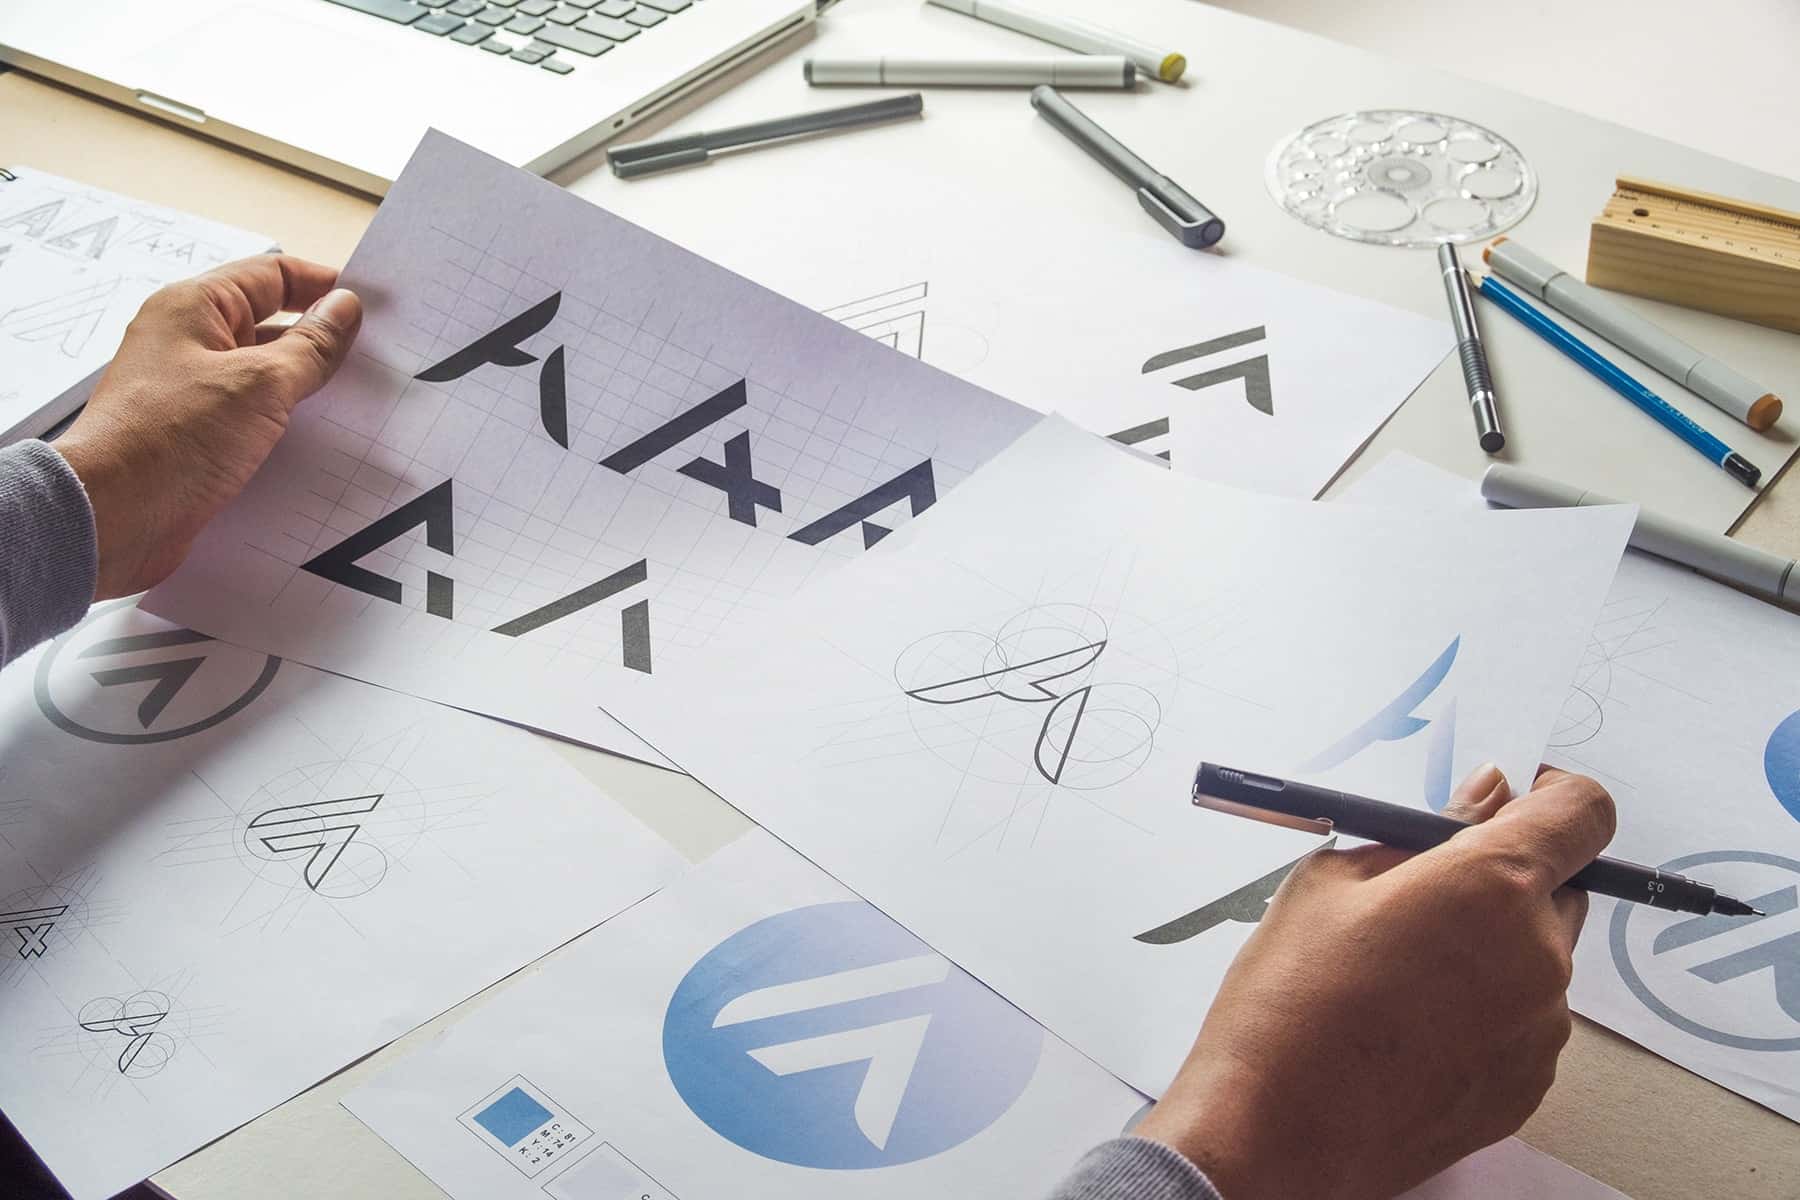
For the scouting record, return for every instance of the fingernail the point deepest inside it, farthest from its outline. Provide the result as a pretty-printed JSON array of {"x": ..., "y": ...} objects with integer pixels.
[
  {"x": 1480, "y": 784},
  {"x": 337, "y": 307}
]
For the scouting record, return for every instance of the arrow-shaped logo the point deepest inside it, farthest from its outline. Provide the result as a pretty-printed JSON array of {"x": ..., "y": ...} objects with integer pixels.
[{"x": 891, "y": 1048}]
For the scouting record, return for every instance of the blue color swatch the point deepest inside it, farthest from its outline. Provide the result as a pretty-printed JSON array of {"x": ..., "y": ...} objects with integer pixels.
[{"x": 513, "y": 1117}]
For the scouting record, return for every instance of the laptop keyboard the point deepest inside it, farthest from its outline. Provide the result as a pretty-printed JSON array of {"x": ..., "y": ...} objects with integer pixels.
[{"x": 532, "y": 32}]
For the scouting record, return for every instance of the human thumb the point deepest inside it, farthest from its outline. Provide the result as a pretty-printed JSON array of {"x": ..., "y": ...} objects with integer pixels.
[{"x": 310, "y": 350}]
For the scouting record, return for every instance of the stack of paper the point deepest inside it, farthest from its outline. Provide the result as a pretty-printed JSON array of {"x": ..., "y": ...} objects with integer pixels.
[
  {"x": 224, "y": 877},
  {"x": 76, "y": 262}
]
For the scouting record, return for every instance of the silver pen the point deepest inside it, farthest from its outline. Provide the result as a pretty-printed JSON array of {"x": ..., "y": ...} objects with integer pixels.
[
  {"x": 1470, "y": 350},
  {"x": 1174, "y": 209}
]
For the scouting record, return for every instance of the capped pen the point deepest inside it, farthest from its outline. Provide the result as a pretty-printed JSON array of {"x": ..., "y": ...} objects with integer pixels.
[
  {"x": 1072, "y": 34},
  {"x": 1476, "y": 377},
  {"x": 1064, "y": 70},
  {"x": 1174, "y": 209},
  {"x": 1326, "y": 810},
  {"x": 646, "y": 158},
  {"x": 1609, "y": 373}
]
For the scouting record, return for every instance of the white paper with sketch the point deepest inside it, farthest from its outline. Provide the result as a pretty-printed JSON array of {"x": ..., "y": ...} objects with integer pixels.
[
  {"x": 563, "y": 454},
  {"x": 223, "y": 877},
  {"x": 1687, "y": 707},
  {"x": 988, "y": 243},
  {"x": 989, "y": 728},
  {"x": 75, "y": 264},
  {"x": 777, "y": 1037}
]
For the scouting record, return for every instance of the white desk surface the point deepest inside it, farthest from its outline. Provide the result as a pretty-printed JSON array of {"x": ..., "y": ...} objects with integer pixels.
[{"x": 1614, "y": 58}]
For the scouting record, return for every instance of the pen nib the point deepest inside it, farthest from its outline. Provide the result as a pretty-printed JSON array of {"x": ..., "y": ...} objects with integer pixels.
[{"x": 1726, "y": 906}]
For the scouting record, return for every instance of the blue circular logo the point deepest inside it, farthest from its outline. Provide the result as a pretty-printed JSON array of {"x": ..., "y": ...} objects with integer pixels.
[
  {"x": 1668, "y": 961},
  {"x": 1781, "y": 764},
  {"x": 830, "y": 1037}
]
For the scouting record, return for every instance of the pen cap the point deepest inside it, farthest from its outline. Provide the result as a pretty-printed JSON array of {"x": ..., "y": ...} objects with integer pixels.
[
  {"x": 1520, "y": 267},
  {"x": 1181, "y": 214}
]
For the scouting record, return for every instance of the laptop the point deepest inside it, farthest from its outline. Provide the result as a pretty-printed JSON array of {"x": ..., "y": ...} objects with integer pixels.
[{"x": 345, "y": 88}]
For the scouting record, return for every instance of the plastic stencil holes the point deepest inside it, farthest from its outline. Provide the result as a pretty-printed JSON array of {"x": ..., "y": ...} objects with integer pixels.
[{"x": 1401, "y": 178}]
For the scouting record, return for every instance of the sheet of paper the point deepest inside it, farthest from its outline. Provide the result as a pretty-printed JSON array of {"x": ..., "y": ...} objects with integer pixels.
[
  {"x": 1686, "y": 706},
  {"x": 75, "y": 264},
  {"x": 775, "y": 1037},
  {"x": 988, "y": 243},
  {"x": 565, "y": 454},
  {"x": 755, "y": 1030},
  {"x": 224, "y": 876},
  {"x": 989, "y": 729}
]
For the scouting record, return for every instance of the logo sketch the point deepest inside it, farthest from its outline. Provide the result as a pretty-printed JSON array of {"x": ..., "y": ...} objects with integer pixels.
[
  {"x": 31, "y": 926},
  {"x": 135, "y": 1018},
  {"x": 1732, "y": 981},
  {"x": 830, "y": 1037},
  {"x": 122, "y": 678},
  {"x": 321, "y": 831},
  {"x": 1093, "y": 733}
]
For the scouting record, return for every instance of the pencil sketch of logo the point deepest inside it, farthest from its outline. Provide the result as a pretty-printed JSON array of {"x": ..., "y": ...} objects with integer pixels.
[
  {"x": 317, "y": 833},
  {"x": 1781, "y": 764},
  {"x": 1732, "y": 981},
  {"x": 326, "y": 831},
  {"x": 135, "y": 1018},
  {"x": 1040, "y": 670},
  {"x": 898, "y": 318},
  {"x": 124, "y": 678},
  {"x": 39, "y": 922},
  {"x": 830, "y": 1037}
]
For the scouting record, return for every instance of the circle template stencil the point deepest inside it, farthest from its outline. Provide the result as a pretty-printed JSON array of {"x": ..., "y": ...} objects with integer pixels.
[{"x": 1401, "y": 178}]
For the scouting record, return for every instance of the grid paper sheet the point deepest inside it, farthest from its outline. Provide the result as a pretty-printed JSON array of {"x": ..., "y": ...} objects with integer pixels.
[{"x": 566, "y": 454}]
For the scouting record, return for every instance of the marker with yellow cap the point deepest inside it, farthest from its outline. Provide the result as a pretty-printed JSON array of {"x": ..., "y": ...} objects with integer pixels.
[{"x": 1071, "y": 34}]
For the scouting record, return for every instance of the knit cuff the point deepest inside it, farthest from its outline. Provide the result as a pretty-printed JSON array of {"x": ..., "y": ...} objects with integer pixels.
[
  {"x": 49, "y": 558},
  {"x": 1135, "y": 1168}
]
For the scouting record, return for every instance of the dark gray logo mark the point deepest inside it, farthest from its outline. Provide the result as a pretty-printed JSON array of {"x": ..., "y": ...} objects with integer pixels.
[
  {"x": 167, "y": 678},
  {"x": 1638, "y": 954},
  {"x": 1245, "y": 906},
  {"x": 1253, "y": 371}
]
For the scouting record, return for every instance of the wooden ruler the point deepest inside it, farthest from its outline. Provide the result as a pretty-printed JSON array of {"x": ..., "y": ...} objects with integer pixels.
[{"x": 1699, "y": 250}]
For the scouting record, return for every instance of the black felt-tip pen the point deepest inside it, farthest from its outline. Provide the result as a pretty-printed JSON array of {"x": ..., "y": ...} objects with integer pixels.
[{"x": 1323, "y": 810}]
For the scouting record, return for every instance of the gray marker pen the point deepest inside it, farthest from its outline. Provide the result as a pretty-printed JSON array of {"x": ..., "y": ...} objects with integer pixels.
[
  {"x": 1707, "y": 377},
  {"x": 1469, "y": 348}
]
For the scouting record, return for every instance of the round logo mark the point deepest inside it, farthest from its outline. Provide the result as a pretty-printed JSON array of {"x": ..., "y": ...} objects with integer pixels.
[
  {"x": 831, "y": 1037},
  {"x": 1781, "y": 764},
  {"x": 124, "y": 678},
  {"x": 1738, "y": 973}
]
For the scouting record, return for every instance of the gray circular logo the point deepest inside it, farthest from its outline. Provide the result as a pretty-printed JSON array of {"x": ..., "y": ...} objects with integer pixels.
[
  {"x": 1671, "y": 967},
  {"x": 124, "y": 678}
]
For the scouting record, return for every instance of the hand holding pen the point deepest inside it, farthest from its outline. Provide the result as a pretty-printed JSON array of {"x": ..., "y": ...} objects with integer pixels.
[{"x": 1393, "y": 1012}]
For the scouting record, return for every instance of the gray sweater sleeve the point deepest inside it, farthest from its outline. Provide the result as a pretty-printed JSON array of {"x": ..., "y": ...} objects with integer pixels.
[
  {"x": 1134, "y": 1168},
  {"x": 48, "y": 556}
]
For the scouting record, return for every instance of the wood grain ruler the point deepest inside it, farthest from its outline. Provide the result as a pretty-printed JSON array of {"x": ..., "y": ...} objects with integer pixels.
[{"x": 1699, "y": 250}]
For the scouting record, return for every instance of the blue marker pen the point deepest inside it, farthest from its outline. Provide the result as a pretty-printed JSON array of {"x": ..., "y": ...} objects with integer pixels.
[{"x": 1666, "y": 414}]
